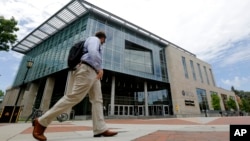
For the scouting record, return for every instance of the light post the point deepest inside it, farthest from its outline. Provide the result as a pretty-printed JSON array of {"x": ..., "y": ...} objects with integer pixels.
[{"x": 28, "y": 65}]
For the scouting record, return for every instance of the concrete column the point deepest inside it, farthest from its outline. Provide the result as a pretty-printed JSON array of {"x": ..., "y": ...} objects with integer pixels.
[
  {"x": 146, "y": 98},
  {"x": 10, "y": 97},
  {"x": 69, "y": 86},
  {"x": 221, "y": 103},
  {"x": 19, "y": 95},
  {"x": 47, "y": 94},
  {"x": 69, "y": 83},
  {"x": 112, "y": 102},
  {"x": 237, "y": 104},
  {"x": 28, "y": 100},
  {"x": 6, "y": 98}
]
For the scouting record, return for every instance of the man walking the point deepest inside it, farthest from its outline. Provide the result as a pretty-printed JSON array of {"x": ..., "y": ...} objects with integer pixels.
[{"x": 87, "y": 81}]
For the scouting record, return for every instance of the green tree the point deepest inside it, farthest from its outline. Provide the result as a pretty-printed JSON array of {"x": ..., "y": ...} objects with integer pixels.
[
  {"x": 245, "y": 99},
  {"x": 245, "y": 105},
  {"x": 7, "y": 35},
  {"x": 1, "y": 93},
  {"x": 231, "y": 104},
  {"x": 215, "y": 101}
]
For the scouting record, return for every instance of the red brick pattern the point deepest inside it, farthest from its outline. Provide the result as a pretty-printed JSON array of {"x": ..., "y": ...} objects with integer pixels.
[
  {"x": 231, "y": 120},
  {"x": 62, "y": 128},
  {"x": 152, "y": 121},
  {"x": 162, "y": 135},
  {"x": 185, "y": 136}
]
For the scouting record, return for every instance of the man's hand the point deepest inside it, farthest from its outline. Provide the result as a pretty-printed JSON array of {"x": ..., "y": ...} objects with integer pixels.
[{"x": 99, "y": 75}]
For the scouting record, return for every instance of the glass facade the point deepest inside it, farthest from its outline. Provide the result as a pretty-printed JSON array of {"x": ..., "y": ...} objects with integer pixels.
[
  {"x": 137, "y": 58},
  {"x": 156, "y": 97},
  {"x": 126, "y": 52},
  {"x": 134, "y": 54},
  {"x": 202, "y": 99},
  {"x": 50, "y": 56}
]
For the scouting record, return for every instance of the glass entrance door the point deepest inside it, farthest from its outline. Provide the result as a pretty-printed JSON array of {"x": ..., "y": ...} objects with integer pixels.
[
  {"x": 140, "y": 110},
  {"x": 165, "y": 110}
]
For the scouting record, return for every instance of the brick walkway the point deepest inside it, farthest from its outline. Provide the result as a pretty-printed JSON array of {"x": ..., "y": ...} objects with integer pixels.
[
  {"x": 167, "y": 129},
  {"x": 163, "y": 135},
  {"x": 185, "y": 136}
]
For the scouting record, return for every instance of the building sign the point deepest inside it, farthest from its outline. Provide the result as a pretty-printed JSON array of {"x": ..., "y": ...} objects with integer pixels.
[{"x": 188, "y": 98}]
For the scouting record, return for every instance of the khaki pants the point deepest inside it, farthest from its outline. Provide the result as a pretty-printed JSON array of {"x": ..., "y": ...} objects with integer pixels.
[{"x": 85, "y": 82}]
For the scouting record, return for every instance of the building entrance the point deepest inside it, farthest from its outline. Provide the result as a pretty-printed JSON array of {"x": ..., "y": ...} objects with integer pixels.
[
  {"x": 158, "y": 110},
  {"x": 124, "y": 110},
  {"x": 131, "y": 110}
]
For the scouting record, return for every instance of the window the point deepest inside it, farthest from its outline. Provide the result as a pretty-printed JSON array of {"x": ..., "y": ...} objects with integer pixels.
[
  {"x": 205, "y": 70},
  {"x": 199, "y": 68},
  {"x": 211, "y": 74},
  {"x": 192, "y": 67},
  {"x": 138, "y": 58},
  {"x": 202, "y": 99},
  {"x": 184, "y": 66}
]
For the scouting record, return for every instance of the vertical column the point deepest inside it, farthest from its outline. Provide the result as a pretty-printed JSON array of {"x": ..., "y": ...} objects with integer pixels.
[
  {"x": 69, "y": 83},
  {"x": 146, "y": 98},
  {"x": 47, "y": 93},
  {"x": 10, "y": 97},
  {"x": 19, "y": 95},
  {"x": 28, "y": 100},
  {"x": 112, "y": 102},
  {"x": 69, "y": 86}
]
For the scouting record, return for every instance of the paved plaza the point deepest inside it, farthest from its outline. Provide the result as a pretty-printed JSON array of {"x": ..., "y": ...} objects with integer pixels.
[{"x": 167, "y": 129}]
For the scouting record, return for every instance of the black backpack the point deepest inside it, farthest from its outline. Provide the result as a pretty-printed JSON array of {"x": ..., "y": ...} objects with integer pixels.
[{"x": 75, "y": 54}]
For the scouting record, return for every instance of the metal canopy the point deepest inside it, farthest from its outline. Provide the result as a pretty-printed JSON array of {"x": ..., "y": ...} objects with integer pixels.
[
  {"x": 59, "y": 20},
  {"x": 69, "y": 13}
]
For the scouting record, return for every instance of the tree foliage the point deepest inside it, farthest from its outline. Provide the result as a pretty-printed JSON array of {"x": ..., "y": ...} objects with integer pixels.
[
  {"x": 1, "y": 93},
  {"x": 215, "y": 101},
  {"x": 245, "y": 105},
  {"x": 231, "y": 104},
  {"x": 245, "y": 99},
  {"x": 7, "y": 33}
]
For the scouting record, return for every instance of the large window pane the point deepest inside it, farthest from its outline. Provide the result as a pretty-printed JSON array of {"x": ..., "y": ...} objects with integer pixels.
[{"x": 138, "y": 58}]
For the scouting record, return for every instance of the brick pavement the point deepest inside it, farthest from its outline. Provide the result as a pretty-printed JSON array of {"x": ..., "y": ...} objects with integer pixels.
[{"x": 189, "y": 129}]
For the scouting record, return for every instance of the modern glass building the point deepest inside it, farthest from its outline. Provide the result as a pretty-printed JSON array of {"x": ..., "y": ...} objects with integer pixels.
[{"x": 139, "y": 71}]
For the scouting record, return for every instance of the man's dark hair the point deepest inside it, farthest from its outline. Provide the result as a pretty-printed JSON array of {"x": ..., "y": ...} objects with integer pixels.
[{"x": 100, "y": 34}]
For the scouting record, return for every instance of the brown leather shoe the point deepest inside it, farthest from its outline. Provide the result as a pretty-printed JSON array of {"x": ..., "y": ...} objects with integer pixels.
[
  {"x": 106, "y": 133},
  {"x": 38, "y": 131}
]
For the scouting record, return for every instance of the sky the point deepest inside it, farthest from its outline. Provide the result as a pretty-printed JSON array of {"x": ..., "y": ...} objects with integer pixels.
[{"x": 217, "y": 31}]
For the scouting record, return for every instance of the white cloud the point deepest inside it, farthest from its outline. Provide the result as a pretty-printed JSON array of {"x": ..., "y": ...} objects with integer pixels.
[
  {"x": 206, "y": 28},
  {"x": 14, "y": 68},
  {"x": 3, "y": 59},
  {"x": 10, "y": 56},
  {"x": 238, "y": 55},
  {"x": 29, "y": 13},
  {"x": 236, "y": 81},
  {"x": 16, "y": 55}
]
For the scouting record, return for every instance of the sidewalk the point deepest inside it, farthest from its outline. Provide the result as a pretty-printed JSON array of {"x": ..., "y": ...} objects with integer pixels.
[{"x": 167, "y": 129}]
